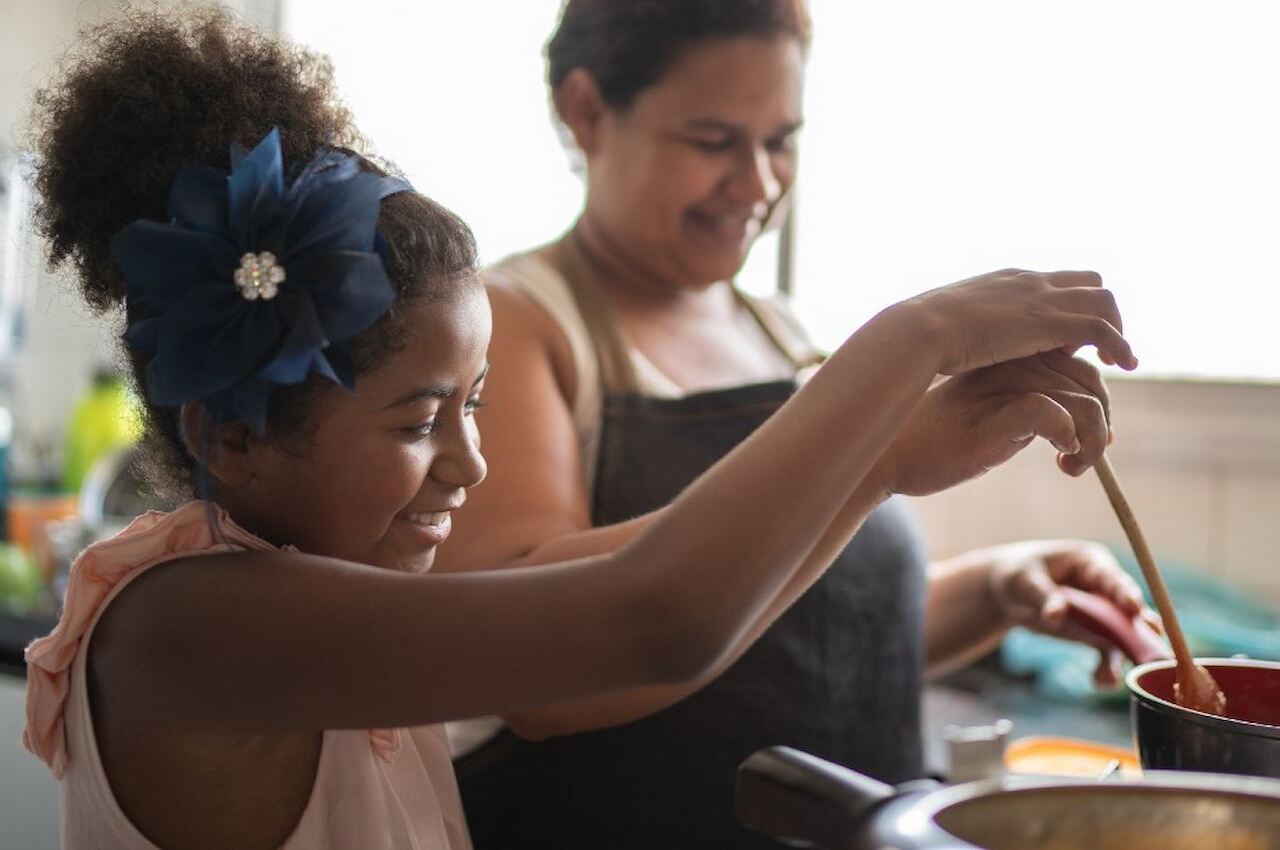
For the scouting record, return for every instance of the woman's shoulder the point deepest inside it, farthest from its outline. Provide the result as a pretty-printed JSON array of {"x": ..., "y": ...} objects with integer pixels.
[
  {"x": 531, "y": 272},
  {"x": 535, "y": 306}
]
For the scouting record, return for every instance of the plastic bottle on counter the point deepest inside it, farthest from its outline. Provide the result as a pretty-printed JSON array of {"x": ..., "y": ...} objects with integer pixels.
[
  {"x": 105, "y": 419},
  {"x": 6, "y": 439}
]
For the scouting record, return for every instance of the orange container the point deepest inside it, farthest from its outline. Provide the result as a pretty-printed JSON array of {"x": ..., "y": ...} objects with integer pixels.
[
  {"x": 1052, "y": 756},
  {"x": 28, "y": 517}
]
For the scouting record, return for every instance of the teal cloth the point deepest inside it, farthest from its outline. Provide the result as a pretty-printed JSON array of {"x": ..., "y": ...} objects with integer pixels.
[{"x": 1219, "y": 620}]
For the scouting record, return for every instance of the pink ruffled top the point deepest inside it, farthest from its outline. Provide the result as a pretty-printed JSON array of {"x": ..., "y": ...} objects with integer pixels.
[{"x": 382, "y": 789}]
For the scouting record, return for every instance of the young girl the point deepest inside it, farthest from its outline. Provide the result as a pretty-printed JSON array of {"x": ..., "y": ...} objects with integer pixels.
[{"x": 266, "y": 667}]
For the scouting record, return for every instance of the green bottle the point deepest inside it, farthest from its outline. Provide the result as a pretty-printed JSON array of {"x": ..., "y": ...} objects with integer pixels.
[{"x": 105, "y": 419}]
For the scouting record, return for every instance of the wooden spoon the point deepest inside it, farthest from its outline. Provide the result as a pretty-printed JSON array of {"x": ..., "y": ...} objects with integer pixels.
[{"x": 1194, "y": 688}]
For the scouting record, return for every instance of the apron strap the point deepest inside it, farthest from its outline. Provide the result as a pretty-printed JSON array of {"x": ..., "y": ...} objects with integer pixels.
[
  {"x": 617, "y": 371},
  {"x": 772, "y": 326}
]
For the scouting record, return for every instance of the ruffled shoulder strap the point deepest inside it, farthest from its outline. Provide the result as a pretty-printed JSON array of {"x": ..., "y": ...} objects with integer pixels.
[{"x": 101, "y": 571}]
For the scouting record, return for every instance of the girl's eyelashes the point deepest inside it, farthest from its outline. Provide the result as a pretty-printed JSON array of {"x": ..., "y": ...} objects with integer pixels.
[{"x": 426, "y": 429}]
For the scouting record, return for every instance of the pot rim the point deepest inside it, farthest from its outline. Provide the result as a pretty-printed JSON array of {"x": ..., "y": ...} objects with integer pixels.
[
  {"x": 1247, "y": 727},
  {"x": 921, "y": 813}
]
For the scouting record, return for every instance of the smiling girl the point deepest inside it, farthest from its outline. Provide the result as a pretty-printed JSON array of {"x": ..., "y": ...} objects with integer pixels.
[{"x": 267, "y": 666}]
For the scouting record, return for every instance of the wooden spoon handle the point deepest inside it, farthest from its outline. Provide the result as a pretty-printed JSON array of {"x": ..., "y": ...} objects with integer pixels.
[{"x": 1145, "y": 560}]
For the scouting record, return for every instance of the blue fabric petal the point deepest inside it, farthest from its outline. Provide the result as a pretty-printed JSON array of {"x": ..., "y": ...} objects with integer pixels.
[
  {"x": 327, "y": 166},
  {"x": 161, "y": 263},
  {"x": 198, "y": 199},
  {"x": 245, "y": 401},
  {"x": 392, "y": 185},
  {"x": 301, "y": 347},
  {"x": 350, "y": 289},
  {"x": 257, "y": 185},
  {"x": 341, "y": 216},
  {"x": 207, "y": 344},
  {"x": 144, "y": 335}
]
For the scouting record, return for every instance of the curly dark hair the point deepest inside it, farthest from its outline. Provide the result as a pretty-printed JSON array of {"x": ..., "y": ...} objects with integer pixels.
[
  {"x": 148, "y": 93},
  {"x": 627, "y": 45}
]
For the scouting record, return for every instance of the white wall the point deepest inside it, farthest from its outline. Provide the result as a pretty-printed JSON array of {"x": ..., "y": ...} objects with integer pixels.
[
  {"x": 63, "y": 340},
  {"x": 1200, "y": 463}
]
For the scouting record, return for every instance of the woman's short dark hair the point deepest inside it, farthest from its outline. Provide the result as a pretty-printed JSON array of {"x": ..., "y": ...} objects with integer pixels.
[
  {"x": 627, "y": 45},
  {"x": 148, "y": 93}
]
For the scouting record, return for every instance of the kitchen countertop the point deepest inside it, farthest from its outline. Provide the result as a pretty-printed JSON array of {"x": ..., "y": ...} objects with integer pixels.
[{"x": 983, "y": 694}]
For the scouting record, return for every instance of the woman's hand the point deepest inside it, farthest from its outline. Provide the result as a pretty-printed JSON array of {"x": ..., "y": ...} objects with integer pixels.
[
  {"x": 968, "y": 424},
  {"x": 1024, "y": 580},
  {"x": 1010, "y": 314}
]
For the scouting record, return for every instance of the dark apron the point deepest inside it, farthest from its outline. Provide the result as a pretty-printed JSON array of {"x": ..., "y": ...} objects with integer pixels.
[{"x": 837, "y": 675}]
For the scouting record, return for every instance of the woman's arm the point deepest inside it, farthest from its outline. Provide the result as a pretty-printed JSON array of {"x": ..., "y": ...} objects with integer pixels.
[
  {"x": 260, "y": 642},
  {"x": 974, "y": 598}
]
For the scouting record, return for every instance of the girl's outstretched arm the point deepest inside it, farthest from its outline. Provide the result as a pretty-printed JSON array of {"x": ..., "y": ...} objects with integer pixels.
[{"x": 261, "y": 642}]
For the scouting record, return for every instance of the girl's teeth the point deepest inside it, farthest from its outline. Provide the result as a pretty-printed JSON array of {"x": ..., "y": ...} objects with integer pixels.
[{"x": 428, "y": 519}]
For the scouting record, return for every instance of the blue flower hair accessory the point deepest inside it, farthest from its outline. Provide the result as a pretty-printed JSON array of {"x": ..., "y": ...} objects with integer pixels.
[{"x": 254, "y": 284}]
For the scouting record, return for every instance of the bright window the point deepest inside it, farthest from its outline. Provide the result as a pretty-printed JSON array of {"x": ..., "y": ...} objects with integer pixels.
[
  {"x": 455, "y": 94},
  {"x": 943, "y": 139},
  {"x": 1135, "y": 137}
]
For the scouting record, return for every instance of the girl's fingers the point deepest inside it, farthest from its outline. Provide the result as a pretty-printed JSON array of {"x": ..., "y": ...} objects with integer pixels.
[
  {"x": 1089, "y": 419},
  {"x": 1083, "y": 374},
  {"x": 1091, "y": 301},
  {"x": 1101, "y": 334},
  {"x": 1036, "y": 414},
  {"x": 1072, "y": 279}
]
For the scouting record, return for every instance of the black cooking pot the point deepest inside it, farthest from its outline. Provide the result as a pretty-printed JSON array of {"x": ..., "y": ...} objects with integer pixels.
[
  {"x": 805, "y": 801},
  {"x": 1171, "y": 737}
]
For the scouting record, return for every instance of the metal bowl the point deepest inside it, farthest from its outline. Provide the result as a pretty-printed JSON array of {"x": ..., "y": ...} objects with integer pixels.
[
  {"x": 805, "y": 801},
  {"x": 1157, "y": 814}
]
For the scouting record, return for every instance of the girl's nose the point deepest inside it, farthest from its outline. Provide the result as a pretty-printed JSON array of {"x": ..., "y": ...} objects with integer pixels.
[{"x": 459, "y": 462}]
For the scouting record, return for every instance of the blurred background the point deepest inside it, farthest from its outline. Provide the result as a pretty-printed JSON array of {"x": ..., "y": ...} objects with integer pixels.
[{"x": 942, "y": 139}]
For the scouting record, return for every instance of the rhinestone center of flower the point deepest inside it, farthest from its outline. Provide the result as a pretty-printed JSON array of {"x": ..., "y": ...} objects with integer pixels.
[{"x": 259, "y": 276}]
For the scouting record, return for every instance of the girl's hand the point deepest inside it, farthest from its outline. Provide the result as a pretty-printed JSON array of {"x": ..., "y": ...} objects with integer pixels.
[
  {"x": 1024, "y": 579},
  {"x": 968, "y": 424},
  {"x": 1010, "y": 314}
]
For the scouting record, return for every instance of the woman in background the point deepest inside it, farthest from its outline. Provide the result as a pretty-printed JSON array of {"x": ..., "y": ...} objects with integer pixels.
[{"x": 636, "y": 365}]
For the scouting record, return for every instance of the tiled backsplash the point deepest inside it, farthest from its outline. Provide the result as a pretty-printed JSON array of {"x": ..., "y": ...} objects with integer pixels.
[{"x": 1200, "y": 463}]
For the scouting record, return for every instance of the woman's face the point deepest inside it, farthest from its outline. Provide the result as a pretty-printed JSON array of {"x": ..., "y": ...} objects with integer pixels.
[
  {"x": 681, "y": 181},
  {"x": 378, "y": 479}
]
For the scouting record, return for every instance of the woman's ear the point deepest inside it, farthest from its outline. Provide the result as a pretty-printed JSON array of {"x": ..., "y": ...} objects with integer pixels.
[
  {"x": 224, "y": 450},
  {"x": 581, "y": 107}
]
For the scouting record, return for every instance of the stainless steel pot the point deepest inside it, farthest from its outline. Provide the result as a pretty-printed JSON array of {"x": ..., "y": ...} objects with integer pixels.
[{"x": 805, "y": 801}]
